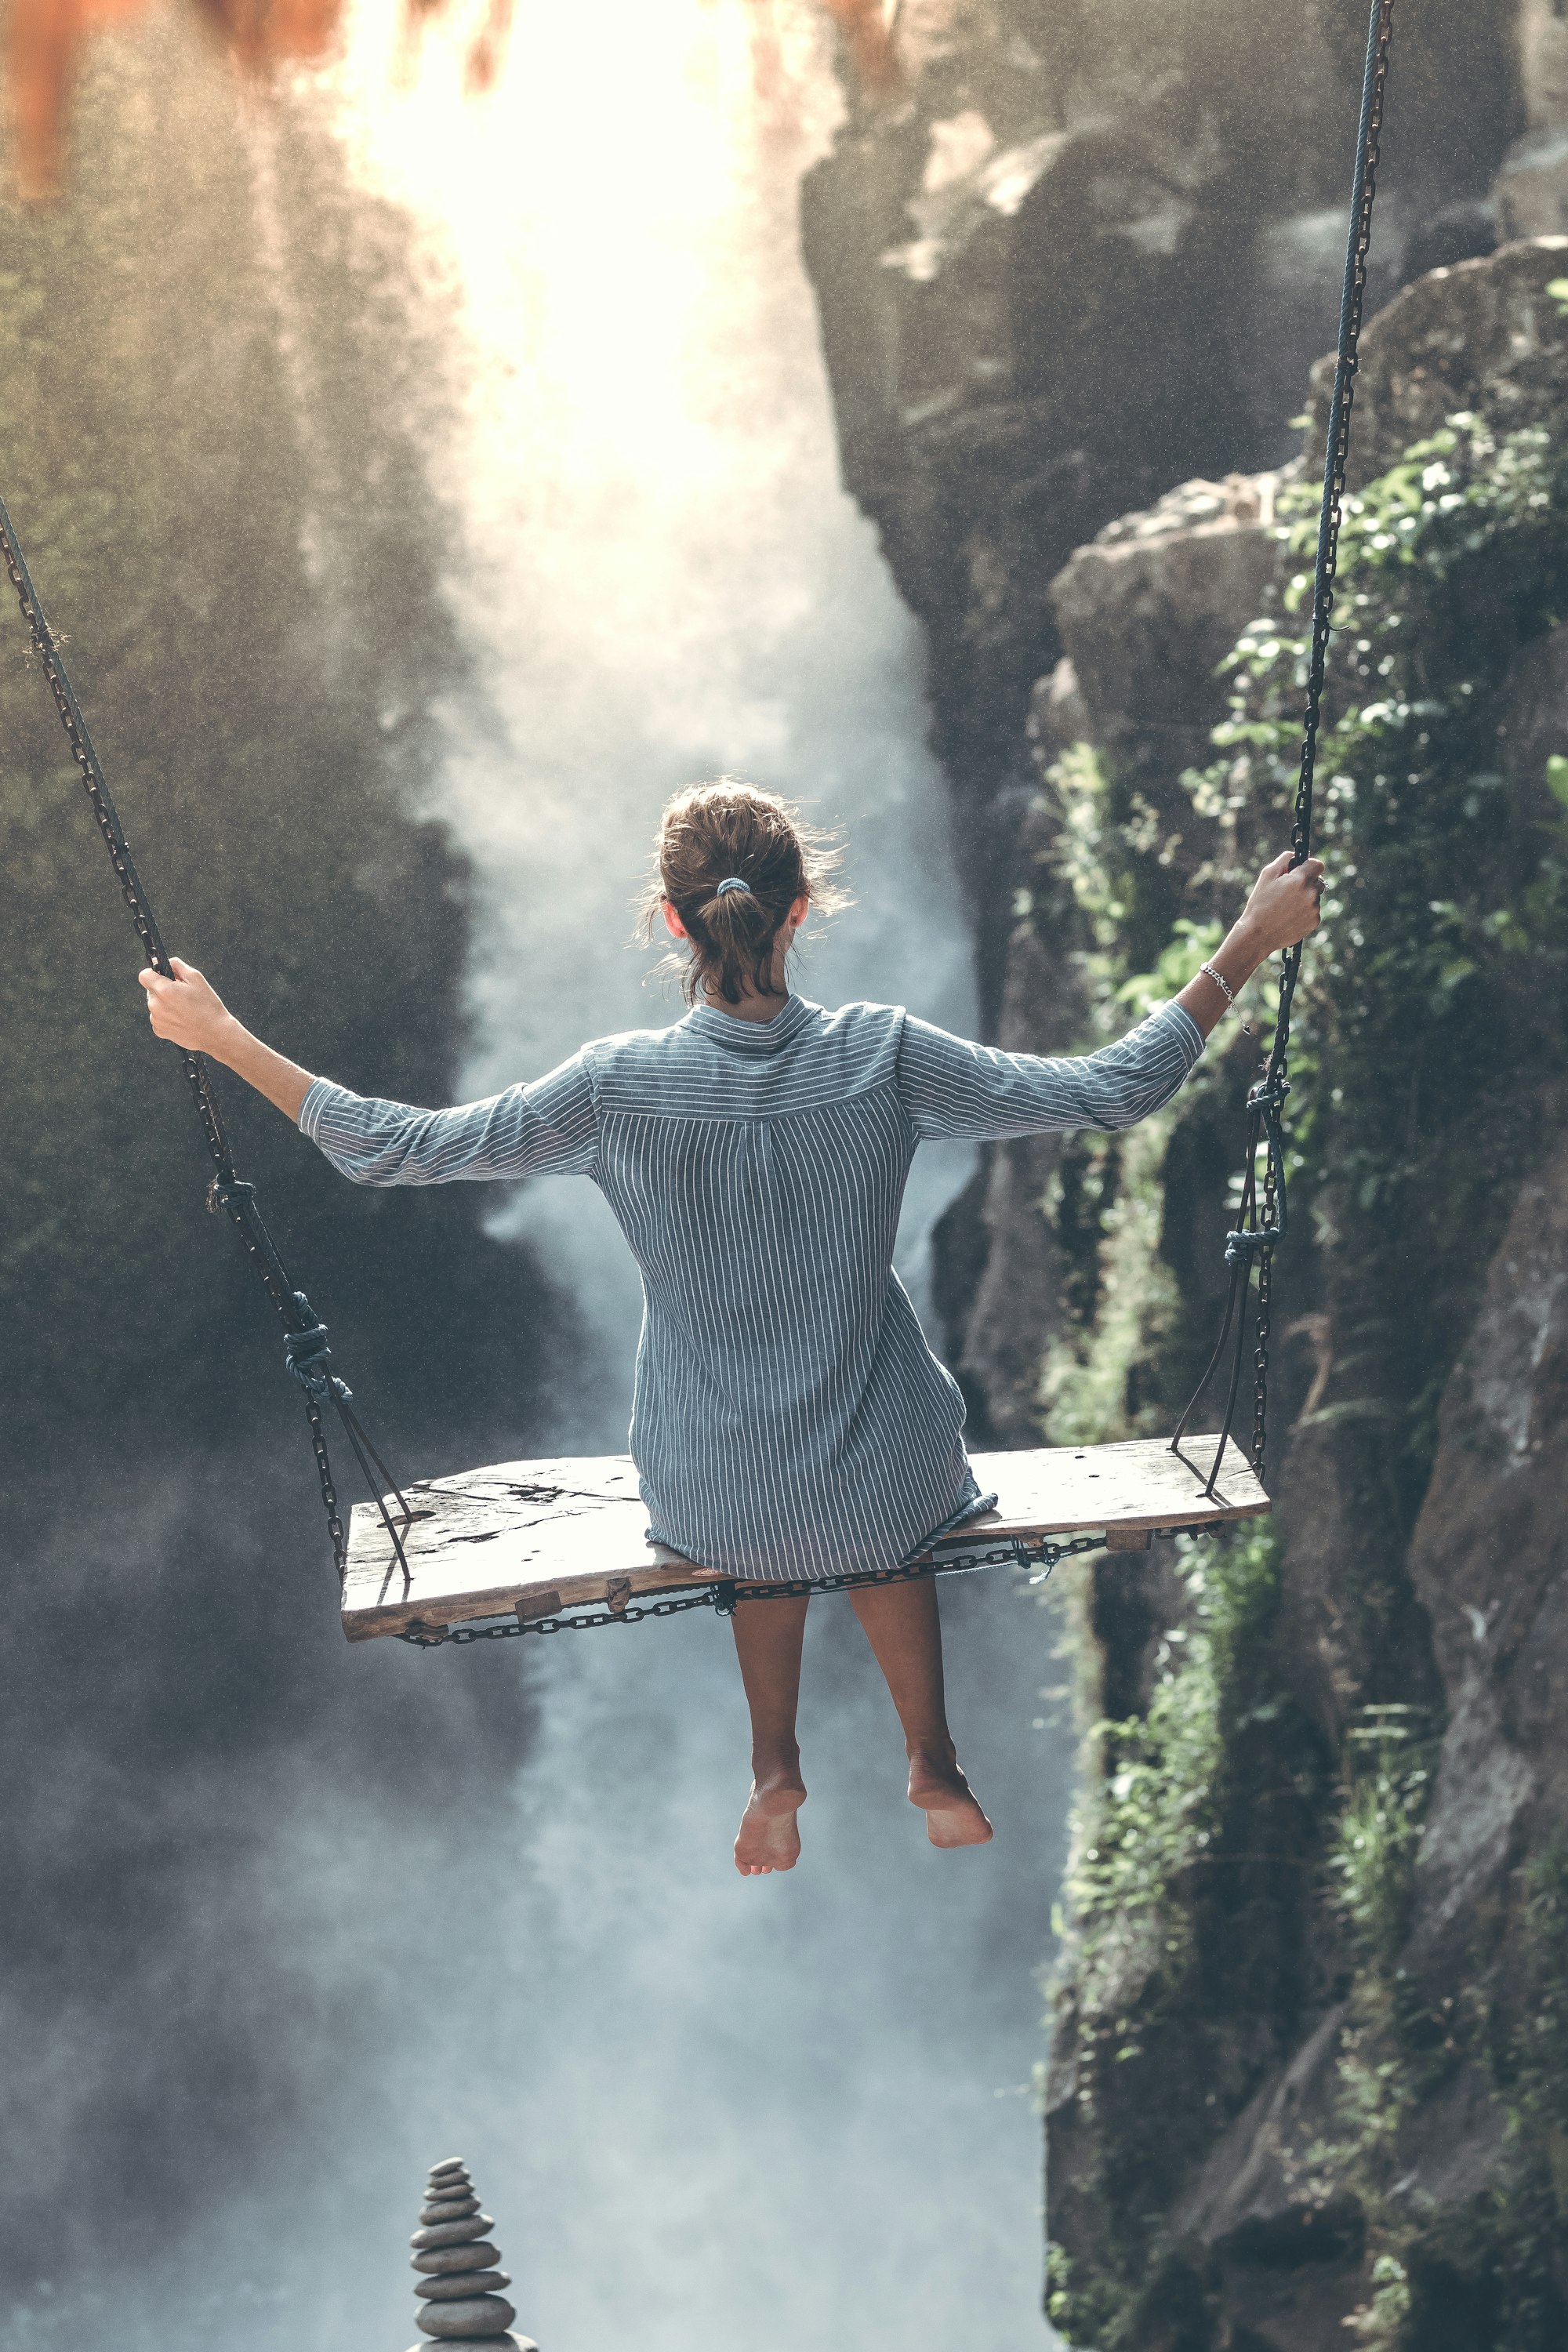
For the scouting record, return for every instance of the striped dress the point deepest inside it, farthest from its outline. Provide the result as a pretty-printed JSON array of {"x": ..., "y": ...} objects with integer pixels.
[{"x": 789, "y": 1419}]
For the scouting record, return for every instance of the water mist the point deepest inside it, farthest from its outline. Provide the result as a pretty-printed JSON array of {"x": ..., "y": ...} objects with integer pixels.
[{"x": 710, "y": 2115}]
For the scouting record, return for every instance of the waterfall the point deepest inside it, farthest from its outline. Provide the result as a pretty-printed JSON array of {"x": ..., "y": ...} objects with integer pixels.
[
  {"x": 710, "y": 2115},
  {"x": 794, "y": 2113},
  {"x": 656, "y": 566}
]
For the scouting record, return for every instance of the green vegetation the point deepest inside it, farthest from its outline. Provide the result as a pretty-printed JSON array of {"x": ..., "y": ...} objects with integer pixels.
[
  {"x": 1231, "y": 1872},
  {"x": 1373, "y": 1851},
  {"x": 1186, "y": 1890}
]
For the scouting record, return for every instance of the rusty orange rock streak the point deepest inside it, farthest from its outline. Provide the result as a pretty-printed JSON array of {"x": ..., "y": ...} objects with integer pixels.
[
  {"x": 866, "y": 27},
  {"x": 46, "y": 36}
]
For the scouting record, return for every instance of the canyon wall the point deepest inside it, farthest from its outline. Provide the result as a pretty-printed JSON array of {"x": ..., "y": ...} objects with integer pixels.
[
  {"x": 1310, "y": 2073},
  {"x": 210, "y": 461}
]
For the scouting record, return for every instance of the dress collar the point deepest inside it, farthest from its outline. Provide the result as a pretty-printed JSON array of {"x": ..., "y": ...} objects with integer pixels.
[{"x": 756, "y": 1038}]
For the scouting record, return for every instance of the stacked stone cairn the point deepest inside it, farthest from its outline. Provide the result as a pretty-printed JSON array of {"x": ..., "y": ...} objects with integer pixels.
[{"x": 461, "y": 2277}]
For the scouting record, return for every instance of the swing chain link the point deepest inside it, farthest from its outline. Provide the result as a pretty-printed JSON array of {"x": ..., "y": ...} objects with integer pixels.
[
  {"x": 1265, "y": 1226},
  {"x": 1260, "y": 1351},
  {"x": 108, "y": 825},
  {"x": 335, "y": 1529},
  {"x": 1036, "y": 1553},
  {"x": 226, "y": 1189},
  {"x": 1347, "y": 365}
]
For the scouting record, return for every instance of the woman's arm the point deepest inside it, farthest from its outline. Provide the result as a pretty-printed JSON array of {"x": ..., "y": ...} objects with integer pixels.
[
  {"x": 978, "y": 1094},
  {"x": 189, "y": 1012},
  {"x": 549, "y": 1127}
]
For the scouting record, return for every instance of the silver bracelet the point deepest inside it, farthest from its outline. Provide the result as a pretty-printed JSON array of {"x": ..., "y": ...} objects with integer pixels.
[{"x": 1223, "y": 985}]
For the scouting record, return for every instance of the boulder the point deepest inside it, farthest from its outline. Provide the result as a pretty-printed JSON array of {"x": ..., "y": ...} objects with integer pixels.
[{"x": 1485, "y": 336}]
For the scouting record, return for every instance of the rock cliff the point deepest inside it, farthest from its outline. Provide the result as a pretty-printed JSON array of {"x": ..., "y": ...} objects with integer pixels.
[
  {"x": 1090, "y": 251},
  {"x": 1320, "y": 1880}
]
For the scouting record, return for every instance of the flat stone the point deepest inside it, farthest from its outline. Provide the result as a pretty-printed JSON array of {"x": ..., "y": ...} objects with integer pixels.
[
  {"x": 507, "y": 2343},
  {"x": 448, "y": 2209},
  {"x": 485, "y": 2314},
  {"x": 461, "y": 2283},
  {"x": 448, "y": 2184},
  {"x": 443, "y": 2262},
  {"x": 452, "y": 2233}
]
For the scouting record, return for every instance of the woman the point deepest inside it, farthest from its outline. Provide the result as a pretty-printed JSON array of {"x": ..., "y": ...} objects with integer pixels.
[{"x": 790, "y": 1421}]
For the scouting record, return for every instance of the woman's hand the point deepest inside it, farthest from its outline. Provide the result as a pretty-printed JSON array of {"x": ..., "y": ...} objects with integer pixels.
[
  {"x": 189, "y": 1012},
  {"x": 1285, "y": 905},
  {"x": 187, "y": 1009}
]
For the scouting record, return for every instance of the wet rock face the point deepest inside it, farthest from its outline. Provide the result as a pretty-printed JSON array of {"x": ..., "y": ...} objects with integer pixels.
[
  {"x": 1091, "y": 252},
  {"x": 1532, "y": 185},
  {"x": 1267, "y": 2250},
  {"x": 1486, "y": 335},
  {"x": 1144, "y": 613},
  {"x": 1487, "y": 1563}
]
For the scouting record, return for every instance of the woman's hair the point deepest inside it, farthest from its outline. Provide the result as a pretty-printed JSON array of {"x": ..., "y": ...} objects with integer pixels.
[{"x": 728, "y": 832}]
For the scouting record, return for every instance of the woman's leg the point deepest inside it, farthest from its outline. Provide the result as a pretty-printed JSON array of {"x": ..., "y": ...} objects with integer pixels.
[
  {"x": 768, "y": 1637},
  {"x": 904, "y": 1630}
]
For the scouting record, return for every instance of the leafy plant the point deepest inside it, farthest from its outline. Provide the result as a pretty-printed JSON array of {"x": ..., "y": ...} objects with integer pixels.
[
  {"x": 1372, "y": 1857},
  {"x": 1446, "y": 932}
]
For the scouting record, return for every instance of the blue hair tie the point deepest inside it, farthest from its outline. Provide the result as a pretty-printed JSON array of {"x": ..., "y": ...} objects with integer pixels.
[{"x": 730, "y": 882}]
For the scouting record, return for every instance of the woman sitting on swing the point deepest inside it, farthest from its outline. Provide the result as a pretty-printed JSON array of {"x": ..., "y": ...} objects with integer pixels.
[{"x": 790, "y": 1421}]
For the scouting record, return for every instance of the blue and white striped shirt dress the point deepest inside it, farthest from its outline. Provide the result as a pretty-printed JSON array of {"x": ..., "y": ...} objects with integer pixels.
[{"x": 789, "y": 1419}]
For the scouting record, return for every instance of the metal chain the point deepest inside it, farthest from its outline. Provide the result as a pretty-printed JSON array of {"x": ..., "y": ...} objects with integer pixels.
[
  {"x": 107, "y": 816},
  {"x": 226, "y": 1190},
  {"x": 1277, "y": 1080},
  {"x": 1260, "y": 1234},
  {"x": 1341, "y": 404},
  {"x": 1259, "y": 1451},
  {"x": 1037, "y": 1552},
  {"x": 335, "y": 1529}
]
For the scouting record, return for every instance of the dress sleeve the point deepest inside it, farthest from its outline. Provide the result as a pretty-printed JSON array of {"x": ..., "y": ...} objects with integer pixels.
[
  {"x": 977, "y": 1094},
  {"x": 548, "y": 1129}
]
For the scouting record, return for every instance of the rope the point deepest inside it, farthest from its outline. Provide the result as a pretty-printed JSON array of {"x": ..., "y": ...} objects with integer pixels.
[
  {"x": 1262, "y": 1225},
  {"x": 305, "y": 1336}
]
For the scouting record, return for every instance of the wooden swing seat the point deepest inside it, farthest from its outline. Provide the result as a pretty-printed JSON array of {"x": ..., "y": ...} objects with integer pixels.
[{"x": 535, "y": 1539}]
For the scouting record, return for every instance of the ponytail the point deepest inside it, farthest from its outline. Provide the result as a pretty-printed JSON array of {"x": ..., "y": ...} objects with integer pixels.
[
  {"x": 733, "y": 861},
  {"x": 743, "y": 938}
]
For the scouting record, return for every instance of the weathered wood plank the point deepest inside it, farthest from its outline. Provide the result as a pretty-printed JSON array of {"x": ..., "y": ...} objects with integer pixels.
[{"x": 535, "y": 1538}]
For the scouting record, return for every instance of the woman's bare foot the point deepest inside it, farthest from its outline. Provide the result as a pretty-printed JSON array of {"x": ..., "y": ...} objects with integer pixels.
[
  {"x": 769, "y": 1836},
  {"x": 952, "y": 1812}
]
